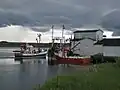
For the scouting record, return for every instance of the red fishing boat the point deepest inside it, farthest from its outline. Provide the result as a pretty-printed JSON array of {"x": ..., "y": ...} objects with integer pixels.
[
  {"x": 62, "y": 58},
  {"x": 61, "y": 54},
  {"x": 74, "y": 60}
]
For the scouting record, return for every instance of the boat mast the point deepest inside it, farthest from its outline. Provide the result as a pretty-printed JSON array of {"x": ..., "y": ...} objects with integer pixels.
[
  {"x": 52, "y": 35},
  {"x": 62, "y": 40},
  {"x": 63, "y": 27},
  {"x": 52, "y": 31}
]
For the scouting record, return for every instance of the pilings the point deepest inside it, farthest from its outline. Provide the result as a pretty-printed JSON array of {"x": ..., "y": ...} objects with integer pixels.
[{"x": 51, "y": 57}]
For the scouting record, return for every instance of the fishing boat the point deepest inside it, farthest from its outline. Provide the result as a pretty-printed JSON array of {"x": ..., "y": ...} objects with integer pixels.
[
  {"x": 28, "y": 51},
  {"x": 63, "y": 54},
  {"x": 30, "y": 55},
  {"x": 63, "y": 57},
  {"x": 76, "y": 60}
]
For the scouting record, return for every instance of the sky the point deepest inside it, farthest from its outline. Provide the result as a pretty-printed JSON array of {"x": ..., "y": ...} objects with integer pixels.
[
  {"x": 16, "y": 33},
  {"x": 74, "y": 12}
]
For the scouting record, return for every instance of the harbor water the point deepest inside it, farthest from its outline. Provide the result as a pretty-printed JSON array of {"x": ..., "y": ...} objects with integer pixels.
[{"x": 25, "y": 76}]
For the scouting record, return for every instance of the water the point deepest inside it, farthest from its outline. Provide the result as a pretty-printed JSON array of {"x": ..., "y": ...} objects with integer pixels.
[{"x": 16, "y": 76}]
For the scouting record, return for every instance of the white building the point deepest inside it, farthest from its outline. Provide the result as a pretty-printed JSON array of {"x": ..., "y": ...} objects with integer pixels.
[
  {"x": 91, "y": 42},
  {"x": 83, "y": 42}
]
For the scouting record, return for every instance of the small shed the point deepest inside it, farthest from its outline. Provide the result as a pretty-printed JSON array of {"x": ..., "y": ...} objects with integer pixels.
[{"x": 111, "y": 46}]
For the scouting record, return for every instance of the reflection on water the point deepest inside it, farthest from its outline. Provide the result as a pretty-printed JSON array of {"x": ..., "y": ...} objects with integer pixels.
[
  {"x": 7, "y": 52},
  {"x": 16, "y": 76},
  {"x": 7, "y": 61}
]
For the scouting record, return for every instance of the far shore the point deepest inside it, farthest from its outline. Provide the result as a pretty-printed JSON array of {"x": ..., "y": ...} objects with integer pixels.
[{"x": 17, "y": 44}]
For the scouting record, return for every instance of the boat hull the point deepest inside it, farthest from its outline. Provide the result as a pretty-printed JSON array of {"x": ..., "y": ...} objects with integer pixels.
[
  {"x": 28, "y": 56},
  {"x": 75, "y": 61}
]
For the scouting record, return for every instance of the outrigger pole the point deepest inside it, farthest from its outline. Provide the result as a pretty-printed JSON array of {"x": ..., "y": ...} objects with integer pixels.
[
  {"x": 62, "y": 44},
  {"x": 63, "y": 34},
  {"x": 63, "y": 27}
]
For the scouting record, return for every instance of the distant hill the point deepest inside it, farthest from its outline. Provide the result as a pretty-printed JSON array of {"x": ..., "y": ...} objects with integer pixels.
[{"x": 17, "y": 44}]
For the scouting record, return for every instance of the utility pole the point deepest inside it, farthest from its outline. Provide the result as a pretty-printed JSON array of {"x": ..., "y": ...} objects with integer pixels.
[{"x": 39, "y": 36}]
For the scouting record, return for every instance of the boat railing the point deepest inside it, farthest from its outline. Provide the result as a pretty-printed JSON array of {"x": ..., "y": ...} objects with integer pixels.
[{"x": 79, "y": 57}]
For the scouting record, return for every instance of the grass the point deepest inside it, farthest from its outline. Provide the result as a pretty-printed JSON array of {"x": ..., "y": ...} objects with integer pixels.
[{"x": 102, "y": 77}]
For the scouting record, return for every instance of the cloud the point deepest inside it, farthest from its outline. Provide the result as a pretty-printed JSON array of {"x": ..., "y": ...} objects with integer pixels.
[
  {"x": 7, "y": 18},
  {"x": 41, "y": 12},
  {"x": 111, "y": 19},
  {"x": 110, "y": 11},
  {"x": 25, "y": 34}
]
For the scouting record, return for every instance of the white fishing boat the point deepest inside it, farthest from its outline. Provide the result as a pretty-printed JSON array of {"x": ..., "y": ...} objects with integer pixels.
[{"x": 28, "y": 51}]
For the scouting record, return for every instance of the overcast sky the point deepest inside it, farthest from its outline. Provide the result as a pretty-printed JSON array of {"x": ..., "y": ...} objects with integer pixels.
[{"x": 75, "y": 12}]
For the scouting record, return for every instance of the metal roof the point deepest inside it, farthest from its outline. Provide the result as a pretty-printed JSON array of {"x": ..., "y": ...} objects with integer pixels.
[
  {"x": 87, "y": 30},
  {"x": 82, "y": 39}
]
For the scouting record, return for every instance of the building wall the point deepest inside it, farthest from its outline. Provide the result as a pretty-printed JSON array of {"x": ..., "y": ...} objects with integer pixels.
[
  {"x": 99, "y": 35},
  {"x": 98, "y": 49},
  {"x": 86, "y": 47},
  {"x": 85, "y": 35},
  {"x": 94, "y": 35},
  {"x": 111, "y": 50}
]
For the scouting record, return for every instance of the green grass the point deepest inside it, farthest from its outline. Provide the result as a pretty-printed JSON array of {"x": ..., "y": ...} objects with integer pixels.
[{"x": 107, "y": 77}]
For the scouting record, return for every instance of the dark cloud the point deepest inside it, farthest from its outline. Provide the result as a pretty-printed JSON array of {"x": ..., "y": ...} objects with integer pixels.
[
  {"x": 75, "y": 12},
  {"x": 111, "y": 19},
  {"x": 7, "y": 18}
]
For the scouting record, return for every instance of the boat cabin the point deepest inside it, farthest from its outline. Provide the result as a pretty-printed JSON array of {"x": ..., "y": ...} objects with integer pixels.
[{"x": 29, "y": 49}]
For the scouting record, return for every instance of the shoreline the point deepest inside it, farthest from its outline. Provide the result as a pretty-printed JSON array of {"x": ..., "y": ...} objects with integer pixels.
[
  {"x": 99, "y": 77},
  {"x": 17, "y": 44}
]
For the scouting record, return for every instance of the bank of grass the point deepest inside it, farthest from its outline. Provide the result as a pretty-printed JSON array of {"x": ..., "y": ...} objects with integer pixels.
[{"x": 102, "y": 77}]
